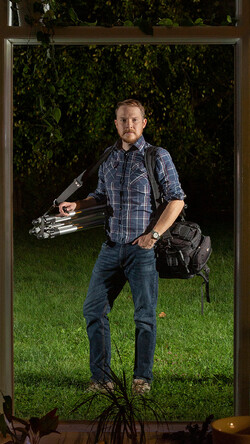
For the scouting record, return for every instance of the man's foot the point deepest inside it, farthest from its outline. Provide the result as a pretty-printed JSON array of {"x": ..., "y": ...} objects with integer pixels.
[
  {"x": 140, "y": 387},
  {"x": 103, "y": 387}
]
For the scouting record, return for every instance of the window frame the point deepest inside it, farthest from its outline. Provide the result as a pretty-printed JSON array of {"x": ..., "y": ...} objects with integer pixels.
[{"x": 239, "y": 36}]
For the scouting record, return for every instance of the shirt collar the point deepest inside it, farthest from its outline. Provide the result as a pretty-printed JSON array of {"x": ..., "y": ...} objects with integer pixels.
[{"x": 139, "y": 144}]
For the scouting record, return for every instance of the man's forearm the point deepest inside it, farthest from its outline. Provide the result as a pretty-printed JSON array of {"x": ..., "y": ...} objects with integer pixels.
[
  {"x": 86, "y": 203},
  {"x": 168, "y": 216}
]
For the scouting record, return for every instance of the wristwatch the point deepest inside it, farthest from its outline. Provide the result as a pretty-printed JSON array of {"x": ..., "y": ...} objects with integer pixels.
[{"x": 155, "y": 235}]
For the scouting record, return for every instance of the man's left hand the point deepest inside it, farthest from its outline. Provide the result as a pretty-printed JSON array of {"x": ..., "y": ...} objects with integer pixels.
[{"x": 145, "y": 241}]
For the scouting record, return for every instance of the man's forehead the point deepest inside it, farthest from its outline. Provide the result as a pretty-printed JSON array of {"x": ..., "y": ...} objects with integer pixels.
[{"x": 126, "y": 110}]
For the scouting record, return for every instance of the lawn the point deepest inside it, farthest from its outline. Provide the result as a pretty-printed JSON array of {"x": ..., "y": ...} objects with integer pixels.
[{"x": 193, "y": 370}]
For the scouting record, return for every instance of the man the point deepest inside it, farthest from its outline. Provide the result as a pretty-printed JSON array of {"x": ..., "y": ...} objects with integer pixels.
[{"x": 128, "y": 253}]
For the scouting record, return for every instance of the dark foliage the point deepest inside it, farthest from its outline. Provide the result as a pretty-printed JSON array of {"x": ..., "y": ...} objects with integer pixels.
[
  {"x": 19, "y": 429},
  {"x": 124, "y": 413},
  {"x": 64, "y": 105}
]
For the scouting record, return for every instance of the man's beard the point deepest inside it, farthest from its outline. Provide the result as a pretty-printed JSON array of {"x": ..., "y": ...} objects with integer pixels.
[{"x": 129, "y": 138}]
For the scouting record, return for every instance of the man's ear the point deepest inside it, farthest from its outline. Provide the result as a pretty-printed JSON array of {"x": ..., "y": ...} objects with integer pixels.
[
  {"x": 115, "y": 123},
  {"x": 144, "y": 123}
]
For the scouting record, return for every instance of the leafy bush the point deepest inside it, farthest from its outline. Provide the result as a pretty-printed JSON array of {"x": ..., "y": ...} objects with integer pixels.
[{"x": 64, "y": 101}]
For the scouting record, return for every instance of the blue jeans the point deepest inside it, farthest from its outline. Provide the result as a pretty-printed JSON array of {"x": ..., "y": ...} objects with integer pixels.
[{"x": 116, "y": 264}]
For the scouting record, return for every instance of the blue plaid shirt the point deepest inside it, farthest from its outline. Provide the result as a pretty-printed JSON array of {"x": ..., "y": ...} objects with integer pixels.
[{"x": 123, "y": 183}]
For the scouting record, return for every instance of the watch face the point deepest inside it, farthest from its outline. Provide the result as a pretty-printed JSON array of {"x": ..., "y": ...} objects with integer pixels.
[{"x": 155, "y": 235}]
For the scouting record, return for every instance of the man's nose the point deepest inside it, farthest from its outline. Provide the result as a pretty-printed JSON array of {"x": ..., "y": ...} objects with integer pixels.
[{"x": 130, "y": 123}]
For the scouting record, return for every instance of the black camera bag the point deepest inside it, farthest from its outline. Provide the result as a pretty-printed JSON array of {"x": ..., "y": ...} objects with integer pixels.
[{"x": 183, "y": 251}]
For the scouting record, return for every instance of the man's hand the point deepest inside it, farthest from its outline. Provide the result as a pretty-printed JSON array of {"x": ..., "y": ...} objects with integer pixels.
[
  {"x": 165, "y": 221},
  {"x": 145, "y": 241},
  {"x": 78, "y": 205},
  {"x": 69, "y": 206}
]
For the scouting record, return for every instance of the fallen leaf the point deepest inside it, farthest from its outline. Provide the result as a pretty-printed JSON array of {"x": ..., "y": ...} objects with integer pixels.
[{"x": 162, "y": 315}]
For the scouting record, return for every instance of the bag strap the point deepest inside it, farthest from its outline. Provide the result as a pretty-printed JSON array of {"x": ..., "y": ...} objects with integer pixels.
[
  {"x": 205, "y": 275},
  {"x": 82, "y": 178},
  {"x": 150, "y": 160}
]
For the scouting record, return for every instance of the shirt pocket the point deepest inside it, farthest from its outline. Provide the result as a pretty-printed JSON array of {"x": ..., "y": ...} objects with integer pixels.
[
  {"x": 139, "y": 186},
  {"x": 138, "y": 175},
  {"x": 110, "y": 171}
]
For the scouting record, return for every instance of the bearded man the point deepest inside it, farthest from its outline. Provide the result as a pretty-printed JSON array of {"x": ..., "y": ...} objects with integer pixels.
[{"x": 128, "y": 253}]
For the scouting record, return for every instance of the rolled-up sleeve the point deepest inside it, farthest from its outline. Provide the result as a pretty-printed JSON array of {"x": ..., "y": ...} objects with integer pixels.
[{"x": 167, "y": 176}]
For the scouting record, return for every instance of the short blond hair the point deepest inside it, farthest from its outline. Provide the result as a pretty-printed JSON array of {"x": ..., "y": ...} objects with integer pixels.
[{"x": 131, "y": 102}]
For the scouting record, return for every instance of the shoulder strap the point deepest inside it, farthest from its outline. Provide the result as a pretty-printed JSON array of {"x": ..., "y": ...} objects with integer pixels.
[
  {"x": 82, "y": 178},
  {"x": 149, "y": 157},
  {"x": 150, "y": 161}
]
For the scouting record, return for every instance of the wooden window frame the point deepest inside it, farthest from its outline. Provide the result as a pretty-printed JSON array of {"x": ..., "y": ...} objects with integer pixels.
[{"x": 239, "y": 36}]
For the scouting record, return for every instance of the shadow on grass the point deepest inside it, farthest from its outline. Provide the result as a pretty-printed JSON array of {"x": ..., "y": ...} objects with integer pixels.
[
  {"x": 81, "y": 382},
  {"x": 217, "y": 379}
]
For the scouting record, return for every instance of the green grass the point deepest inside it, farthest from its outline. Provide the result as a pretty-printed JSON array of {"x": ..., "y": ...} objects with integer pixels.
[{"x": 193, "y": 371}]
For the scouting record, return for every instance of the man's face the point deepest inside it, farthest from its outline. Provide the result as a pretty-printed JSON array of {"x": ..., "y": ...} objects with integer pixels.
[{"x": 130, "y": 123}]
